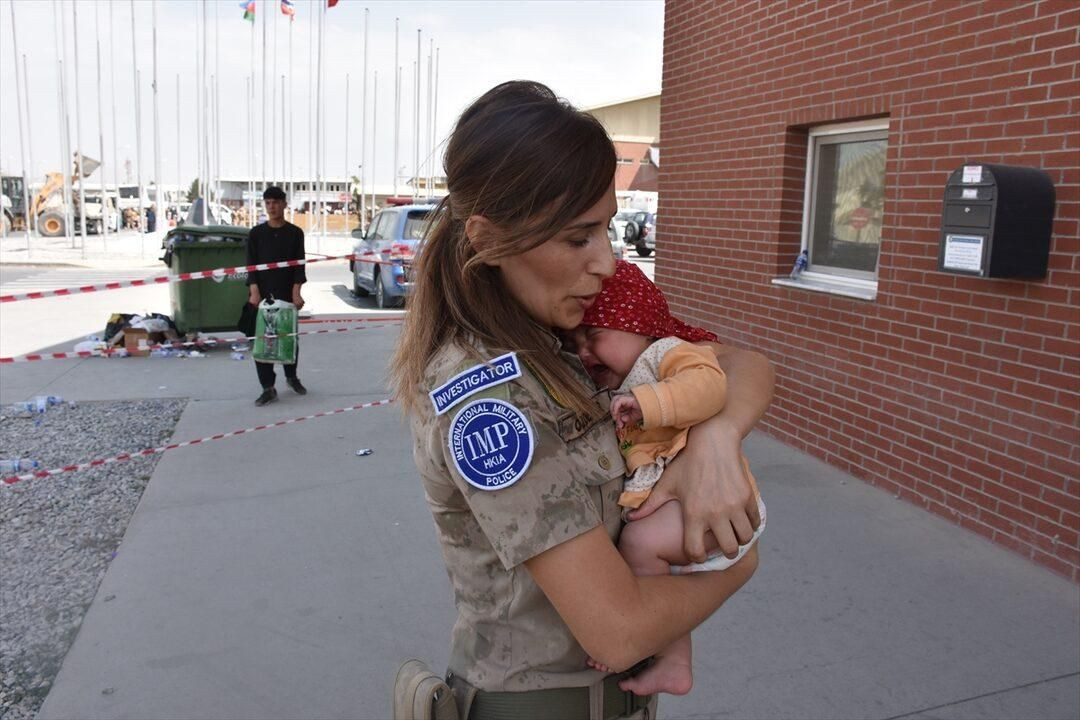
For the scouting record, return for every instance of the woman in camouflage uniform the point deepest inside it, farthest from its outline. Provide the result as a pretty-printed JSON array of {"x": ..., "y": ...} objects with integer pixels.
[{"x": 521, "y": 469}]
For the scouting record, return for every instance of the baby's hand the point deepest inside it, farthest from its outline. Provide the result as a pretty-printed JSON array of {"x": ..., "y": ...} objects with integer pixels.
[{"x": 625, "y": 411}]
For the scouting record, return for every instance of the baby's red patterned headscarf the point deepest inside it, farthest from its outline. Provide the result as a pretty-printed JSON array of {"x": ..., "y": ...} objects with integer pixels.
[{"x": 632, "y": 303}]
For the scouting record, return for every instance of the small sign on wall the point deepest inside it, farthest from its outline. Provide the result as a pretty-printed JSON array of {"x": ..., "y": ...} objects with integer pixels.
[{"x": 964, "y": 253}]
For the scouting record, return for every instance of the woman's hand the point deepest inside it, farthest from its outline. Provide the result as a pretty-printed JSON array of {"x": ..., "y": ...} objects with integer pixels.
[
  {"x": 708, "y": 475},
  {"x": 708, "y": 478}
]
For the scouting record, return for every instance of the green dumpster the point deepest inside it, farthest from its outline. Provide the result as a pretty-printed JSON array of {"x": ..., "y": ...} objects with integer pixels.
[{"x": 206, "y": 304}]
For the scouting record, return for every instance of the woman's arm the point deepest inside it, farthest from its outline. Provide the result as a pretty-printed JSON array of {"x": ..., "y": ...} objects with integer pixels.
[
  {"x": 617, "y": 617},
  {"x": 707, "y": 475}
]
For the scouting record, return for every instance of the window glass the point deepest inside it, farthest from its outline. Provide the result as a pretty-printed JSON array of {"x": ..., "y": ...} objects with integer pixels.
[
  {"x": 847, "y": 199},
  {"x": 385, "y": 225},
  {"x": 415, "y": 224}
]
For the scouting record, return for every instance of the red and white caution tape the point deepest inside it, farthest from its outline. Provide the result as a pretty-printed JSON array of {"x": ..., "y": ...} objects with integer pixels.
[
  {"x": 174, "y": 446},
  {"x": 103, "y": 352},
  {"x": 396, "y": 318},
  {"x": 198, "y": 275}
]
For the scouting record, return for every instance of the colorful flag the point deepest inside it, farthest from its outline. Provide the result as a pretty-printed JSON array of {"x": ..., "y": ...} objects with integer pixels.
[
  {"x": 249, "y": 9},
  {"x": 288, "y": 9}
]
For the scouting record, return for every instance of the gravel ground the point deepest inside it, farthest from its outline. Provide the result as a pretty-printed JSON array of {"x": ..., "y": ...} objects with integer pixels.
[{"x": 58, "y": 534}]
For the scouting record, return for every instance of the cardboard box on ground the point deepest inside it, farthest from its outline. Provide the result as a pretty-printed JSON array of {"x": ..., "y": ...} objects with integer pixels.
[{"x": 137, "y": 341}]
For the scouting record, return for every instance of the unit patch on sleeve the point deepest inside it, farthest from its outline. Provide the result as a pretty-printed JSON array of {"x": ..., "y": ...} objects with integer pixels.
[
  {"x": 491, "y": 443},
  {"x": 477, "y": 378}
]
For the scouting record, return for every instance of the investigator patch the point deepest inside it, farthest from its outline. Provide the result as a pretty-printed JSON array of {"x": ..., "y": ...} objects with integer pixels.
[
  {"x": 491, "y": 443},
  {"x": 477, "y": 378}
]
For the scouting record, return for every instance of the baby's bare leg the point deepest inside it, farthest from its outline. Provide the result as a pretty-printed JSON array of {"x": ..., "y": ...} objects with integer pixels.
[{"x": 651, "y": 545}]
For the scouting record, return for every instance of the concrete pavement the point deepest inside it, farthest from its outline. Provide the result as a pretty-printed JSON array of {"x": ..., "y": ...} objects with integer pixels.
[{"x": 278, "y": 575}]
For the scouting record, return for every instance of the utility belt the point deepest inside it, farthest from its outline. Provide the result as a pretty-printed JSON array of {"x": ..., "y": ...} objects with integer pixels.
[{"x": 420, "y": 694}]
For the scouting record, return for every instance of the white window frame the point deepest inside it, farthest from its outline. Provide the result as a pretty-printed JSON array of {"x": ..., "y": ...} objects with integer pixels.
[{"x": 830, "y": 282}]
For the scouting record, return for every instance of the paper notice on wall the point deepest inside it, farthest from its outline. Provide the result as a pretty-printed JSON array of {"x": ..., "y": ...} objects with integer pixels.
[
  {"x": 972, "y": 173},
  {"x": 963, "y": 252}
]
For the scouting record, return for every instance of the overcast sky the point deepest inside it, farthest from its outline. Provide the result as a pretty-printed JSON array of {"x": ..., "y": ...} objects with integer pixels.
[{"x": 589, "y": 51}]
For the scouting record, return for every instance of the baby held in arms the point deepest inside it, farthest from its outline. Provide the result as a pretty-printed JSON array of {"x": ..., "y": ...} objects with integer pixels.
[{"x": 663, "y": 385}]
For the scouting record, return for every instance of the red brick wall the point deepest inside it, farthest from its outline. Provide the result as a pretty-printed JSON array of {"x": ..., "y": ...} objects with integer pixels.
[
  {"x": 638, "y": 175},
  {"x": 955, "y": 393}
]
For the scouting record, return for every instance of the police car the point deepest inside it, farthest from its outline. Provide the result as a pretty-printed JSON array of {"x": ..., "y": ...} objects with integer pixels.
[{"x": 384, "y": 253}]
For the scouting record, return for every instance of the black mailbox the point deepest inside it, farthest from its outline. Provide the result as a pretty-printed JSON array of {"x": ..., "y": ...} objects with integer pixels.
[{"x": 997, "y": 221}]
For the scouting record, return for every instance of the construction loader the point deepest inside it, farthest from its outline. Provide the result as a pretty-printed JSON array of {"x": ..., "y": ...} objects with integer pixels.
[{"x": 47, "y": 204}]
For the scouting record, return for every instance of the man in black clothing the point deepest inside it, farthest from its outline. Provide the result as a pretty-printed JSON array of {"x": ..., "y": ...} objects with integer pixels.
[{"x": 274, "y": 241}]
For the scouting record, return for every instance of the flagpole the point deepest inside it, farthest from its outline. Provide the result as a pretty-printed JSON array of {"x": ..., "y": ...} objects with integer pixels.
[
  {"x": 363, "y": 126},
  {"x": 273, "y": 104},
  {"x": 397, "y": 104},
  {"x": 262, "y": 159},
  {"x": 348, "y": 186},
  {"x": 251, "y": 127},
  {"x": 204, "y": 149},
  {"x": 318, "y": 126},
  {"x": 281, "y": 178},
  {"x": 112, "y": 97},
  {"x": 22, "y": 135},
  {"x": 292, "y": 167},
  {"x": 427, "y": 138},
  {"x": 248, "y": 202},
  {"x": 197, "y": 147},
  {"x": 29, "y": 152},
  {"x": 101, "y": 136},
  {"x": 434, "y": 126},
  {"x": 65, "y": 140},
  {"x": 157, "y": 127},
  {"x": 179, "y": 174},
  {"x": 416, "y": 117},
  {"x": 78, "y": 132},
  {"x": 138, "y": 127},
  {"x": 374, "y": 143},
  {"x": 217, "y": 101},
  {"x": 325, "y": 120},
  {"x": 311, "y": 118}
]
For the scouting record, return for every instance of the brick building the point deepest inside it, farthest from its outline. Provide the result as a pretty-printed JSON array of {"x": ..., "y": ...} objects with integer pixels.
[
  {"x": 834, "y": 126},
  {"x": 634, "y": 126}
]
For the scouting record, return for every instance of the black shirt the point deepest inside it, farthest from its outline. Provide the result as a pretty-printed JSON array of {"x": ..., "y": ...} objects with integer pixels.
[{"x": 269, "y": 244}]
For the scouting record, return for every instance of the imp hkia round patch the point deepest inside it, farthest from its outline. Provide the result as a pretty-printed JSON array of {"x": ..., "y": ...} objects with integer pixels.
[{"x": 491, "y": 443}]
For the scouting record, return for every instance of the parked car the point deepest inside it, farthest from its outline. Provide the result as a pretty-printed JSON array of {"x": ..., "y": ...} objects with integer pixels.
[
  {"x": 618, "y": 246},
  {"x": 384, "y": 253},
  {"x": 638, "y": 230}
]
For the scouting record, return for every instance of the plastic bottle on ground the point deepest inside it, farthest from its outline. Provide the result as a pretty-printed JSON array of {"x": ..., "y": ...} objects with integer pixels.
[{"x": 15, "y": 466}]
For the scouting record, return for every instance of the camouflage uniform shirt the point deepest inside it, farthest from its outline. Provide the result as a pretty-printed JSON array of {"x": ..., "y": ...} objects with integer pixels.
[{"x": 508, "y": 636}]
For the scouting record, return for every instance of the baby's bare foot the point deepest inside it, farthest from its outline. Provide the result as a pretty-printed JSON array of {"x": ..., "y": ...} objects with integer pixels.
[
  {"x": 598, "y": 666},
  {"x": 668, "y": 675}
]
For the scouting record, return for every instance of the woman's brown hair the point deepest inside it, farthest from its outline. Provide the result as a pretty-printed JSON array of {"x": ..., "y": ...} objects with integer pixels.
[{"x": 529, "y": 163}]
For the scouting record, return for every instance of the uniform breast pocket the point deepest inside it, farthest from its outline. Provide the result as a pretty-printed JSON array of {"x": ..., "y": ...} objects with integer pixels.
[{"x": 593, "y": 448}]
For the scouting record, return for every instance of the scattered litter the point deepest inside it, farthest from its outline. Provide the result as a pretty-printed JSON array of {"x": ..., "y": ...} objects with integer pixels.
[
  {"x": 109, "y": 597},
  {"x": 195, "y": 353},
  {"x": 15, "y": 466},
  {"x": 364, "y": 451},
  {"x": 162, "y": 387},
  {"x": 108, "y": 691},
  {"x": 240, "y": 347},
  {"x": 89, "y": 345},
  {"x": 237, "y": 356}
]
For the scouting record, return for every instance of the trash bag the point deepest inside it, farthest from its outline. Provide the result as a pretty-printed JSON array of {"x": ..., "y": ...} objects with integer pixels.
[
  {"x": 117, "y": 322},
  {"x": 280, "y": 319}
]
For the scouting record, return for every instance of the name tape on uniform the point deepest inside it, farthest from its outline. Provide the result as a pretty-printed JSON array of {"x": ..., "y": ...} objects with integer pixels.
[
  {"x": 491, "y": 444},
  {"x": 493, "y": 372}
]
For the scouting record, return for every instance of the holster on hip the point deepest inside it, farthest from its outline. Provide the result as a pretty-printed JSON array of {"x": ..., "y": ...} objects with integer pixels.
[{"x": 420, "y": 694}]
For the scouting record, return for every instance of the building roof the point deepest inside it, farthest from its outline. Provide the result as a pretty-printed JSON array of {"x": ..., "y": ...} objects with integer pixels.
[{"x": 646, "y": 96}]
